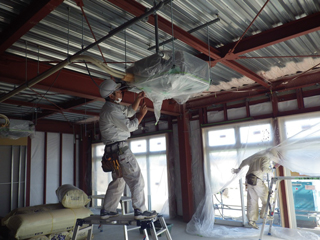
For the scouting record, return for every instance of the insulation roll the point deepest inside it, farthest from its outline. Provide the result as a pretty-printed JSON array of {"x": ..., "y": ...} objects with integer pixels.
[
  {"x": 43, "y": 223},
  {"x": 33, "y": 209},
  {"x": 71, "y": 196}
]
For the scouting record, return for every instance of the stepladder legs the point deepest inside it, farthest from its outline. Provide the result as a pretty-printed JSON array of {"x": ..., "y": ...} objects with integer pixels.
[
  {"x": 77, "y": 230},
  {"x": 271, "y": 202}
]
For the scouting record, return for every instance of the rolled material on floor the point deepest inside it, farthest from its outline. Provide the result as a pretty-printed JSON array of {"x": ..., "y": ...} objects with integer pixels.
[
  {"x": 32, "y": 209},
  {"x": 71, "y": 196},
  {"x": 43, "y": 223}
]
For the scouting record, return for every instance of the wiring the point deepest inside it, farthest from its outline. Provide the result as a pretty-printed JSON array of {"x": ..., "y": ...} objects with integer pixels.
[
  {"x": 85, "y": 17},
  {"x": 90, "y": 75}
]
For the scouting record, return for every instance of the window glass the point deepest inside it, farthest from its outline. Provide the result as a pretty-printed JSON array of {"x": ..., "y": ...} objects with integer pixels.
[
  {"x": 138, "y": 146},
  {"x": 100, "y": 179},
  {"x": 158, "y": 182},
  {"x": 295, "y": 126},
  {"x": 99, "y": 150},
  {"x": 157, "y": 144},
  {"x": 256, "y": 134},
  {"x": 221, "y": 137}
]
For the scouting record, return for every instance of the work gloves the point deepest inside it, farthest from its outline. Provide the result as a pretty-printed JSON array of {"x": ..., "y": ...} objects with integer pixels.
[{"x": 235, "y": 170}]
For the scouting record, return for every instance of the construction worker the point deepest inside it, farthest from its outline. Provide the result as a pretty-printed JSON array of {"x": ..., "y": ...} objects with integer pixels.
[
  {"x": 115, "y": 128},
  {"x": 259, "y": 164}
]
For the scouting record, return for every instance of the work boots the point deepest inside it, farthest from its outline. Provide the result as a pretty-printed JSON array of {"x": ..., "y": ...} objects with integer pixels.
[
  {"x": 253, "y": 224},
  {"x": 104, "y": 214},
  {"x": 138, "y": 215}
]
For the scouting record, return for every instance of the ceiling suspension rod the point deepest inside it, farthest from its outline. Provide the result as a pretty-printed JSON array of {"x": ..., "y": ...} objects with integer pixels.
[{"x": 67, "y": 61}]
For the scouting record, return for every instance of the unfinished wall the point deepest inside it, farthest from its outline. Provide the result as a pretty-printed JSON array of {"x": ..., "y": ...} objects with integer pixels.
[
  {"x": 52, "y": 164},
  {"x": 12, "y": 175}
]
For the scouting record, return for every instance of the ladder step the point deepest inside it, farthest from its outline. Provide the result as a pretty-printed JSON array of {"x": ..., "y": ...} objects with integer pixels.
[{"x": 161, "y": 231}]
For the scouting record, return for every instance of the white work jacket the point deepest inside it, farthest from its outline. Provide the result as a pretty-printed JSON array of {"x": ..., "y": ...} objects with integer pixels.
[
  {"x": 115, "y": 124},
  {"x": 259, "y": 164}
]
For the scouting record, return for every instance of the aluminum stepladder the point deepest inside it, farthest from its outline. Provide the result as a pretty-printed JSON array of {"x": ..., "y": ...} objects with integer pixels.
[
  {"x": 273, "y": 181},
  {"x": 124, "y": 220},
  {"x": 270, "y": 217}
]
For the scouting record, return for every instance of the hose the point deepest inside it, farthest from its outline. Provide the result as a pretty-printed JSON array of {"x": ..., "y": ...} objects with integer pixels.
[
  {"x": 6, "y": 122},
  {"x": 59, "y": 66}
]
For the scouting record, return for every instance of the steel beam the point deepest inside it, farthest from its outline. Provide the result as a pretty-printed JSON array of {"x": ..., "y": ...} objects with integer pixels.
[
  {"x": 68, "y": 82},
  {"x": 33, "y": 14},
  {"x": 275, "y": 35},
  {"x": 49, "y": 107}
]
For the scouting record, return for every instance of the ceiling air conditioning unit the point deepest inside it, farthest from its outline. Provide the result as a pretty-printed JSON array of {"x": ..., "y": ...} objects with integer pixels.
[{"x": 169, "y": 74}]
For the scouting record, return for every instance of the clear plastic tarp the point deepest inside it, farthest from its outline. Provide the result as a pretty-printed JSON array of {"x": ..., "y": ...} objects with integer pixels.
[
  {"x": 177, "y": 75},
  {"x": 17, "y": 129},
  {"x": 226, "y": 147}
]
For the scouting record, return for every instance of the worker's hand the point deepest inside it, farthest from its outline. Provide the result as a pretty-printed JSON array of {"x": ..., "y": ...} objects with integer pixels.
[
  {"x": 143, "y": 109},
  {"x": 141, "y": 95},
  {"x": 235, "y": 170},
  {"x": 276, "y": 165}
]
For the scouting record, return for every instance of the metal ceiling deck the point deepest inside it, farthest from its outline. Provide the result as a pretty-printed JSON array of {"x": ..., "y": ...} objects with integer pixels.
[{"x": 64, "y": 32}]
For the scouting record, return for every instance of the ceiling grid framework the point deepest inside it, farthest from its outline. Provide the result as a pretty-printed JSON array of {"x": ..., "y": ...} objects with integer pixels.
[{"x": 277, "y": 53}]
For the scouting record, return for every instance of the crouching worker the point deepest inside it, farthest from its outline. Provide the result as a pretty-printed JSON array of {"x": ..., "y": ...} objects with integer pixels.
[
  {"x": 259, "y": 164},
  {"x": 115, "y": 128}
]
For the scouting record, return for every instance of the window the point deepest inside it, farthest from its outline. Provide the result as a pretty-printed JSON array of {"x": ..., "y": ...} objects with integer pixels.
[
  {"x": 100, "y": 179},
  {"x": 302, "y": 131},
  {"x": 224, "y": 148},
  {"x": 151, "y": 155}
]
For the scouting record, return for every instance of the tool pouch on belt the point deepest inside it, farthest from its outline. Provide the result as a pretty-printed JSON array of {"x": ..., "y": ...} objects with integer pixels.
[
  {"x": 110, "y": 163},
  {"x": 251, "y": 179}
]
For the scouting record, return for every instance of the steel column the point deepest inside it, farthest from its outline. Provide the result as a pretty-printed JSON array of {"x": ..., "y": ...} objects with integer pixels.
[
  {"x": 280, "y": 172},
  {"x": 185, "y": 165}
]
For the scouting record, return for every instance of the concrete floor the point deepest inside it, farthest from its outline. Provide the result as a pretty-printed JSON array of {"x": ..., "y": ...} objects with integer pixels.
[{"x": 178, "y": 232}]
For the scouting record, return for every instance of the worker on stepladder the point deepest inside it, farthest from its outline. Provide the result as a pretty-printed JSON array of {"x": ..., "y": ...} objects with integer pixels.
[
  {"x": 259, "y": 164},
  {"x": 115, "y": 128}
]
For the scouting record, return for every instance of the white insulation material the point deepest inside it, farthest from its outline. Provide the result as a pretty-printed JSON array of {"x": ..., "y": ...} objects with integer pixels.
[
  {"x": 67, "y": 158},
  {"x": 52, "y": 159},
  {"x": 288, "y": 105},
  {"x": 313, "y": 101},
  {"x": 215, "y": 116},
  {"x": 177, "y": 172},
  {"x": 53, "y": 163},
  {"x": 260, "y": 109},
  {"x": 236, "y": 113},
  {"x": 299, "y": 153},
  {"x": 37, "y": 166}
]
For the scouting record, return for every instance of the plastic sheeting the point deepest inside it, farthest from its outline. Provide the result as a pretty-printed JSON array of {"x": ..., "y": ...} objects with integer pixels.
[
  {"x": 228, "y": 232},
  {"x": 299, "y": 153},
  {"x": 166, "y": 75},
  {"x": 18, "y": 129}
]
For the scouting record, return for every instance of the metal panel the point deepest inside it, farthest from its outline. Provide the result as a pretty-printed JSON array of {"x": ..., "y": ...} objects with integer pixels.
[{"x": 64, "y": 31}]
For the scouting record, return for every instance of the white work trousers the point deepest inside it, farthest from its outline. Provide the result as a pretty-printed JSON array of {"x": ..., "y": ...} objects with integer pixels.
[
  {"x": 132, "y": 177},
  {"x": 254, "y": 193}
]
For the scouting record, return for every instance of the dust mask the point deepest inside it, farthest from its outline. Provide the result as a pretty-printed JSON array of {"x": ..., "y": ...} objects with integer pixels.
[{"x": 118, "y": 100}]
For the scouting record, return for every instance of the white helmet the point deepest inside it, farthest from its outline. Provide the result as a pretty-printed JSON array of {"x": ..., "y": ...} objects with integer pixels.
[{"x": 107, "y": 87}]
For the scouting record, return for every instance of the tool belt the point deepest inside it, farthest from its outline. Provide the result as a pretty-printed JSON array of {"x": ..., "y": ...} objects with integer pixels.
[
  {"x": 110, "y": 159},
  {"x": 251, "y": 179}
]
